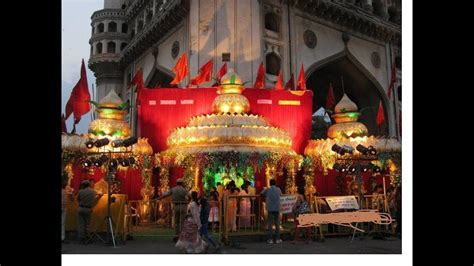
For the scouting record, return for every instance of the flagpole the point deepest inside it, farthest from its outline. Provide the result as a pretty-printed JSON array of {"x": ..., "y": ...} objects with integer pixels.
[
  {"x": 93, "y": 107},
  {"x": 343, "y": 90}
]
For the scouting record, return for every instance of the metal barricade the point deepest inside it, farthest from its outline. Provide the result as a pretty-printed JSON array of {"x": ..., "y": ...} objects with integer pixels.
[
  {"x": 241, "y": 215},
  {"x": 377, "y": 202}
]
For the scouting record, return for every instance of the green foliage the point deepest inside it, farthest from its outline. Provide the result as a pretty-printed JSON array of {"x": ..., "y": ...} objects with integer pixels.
[{"x": 96, "y": 104}]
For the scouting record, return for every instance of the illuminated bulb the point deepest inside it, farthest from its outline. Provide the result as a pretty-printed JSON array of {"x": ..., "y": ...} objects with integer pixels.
[{"x": 225, "y": 108}]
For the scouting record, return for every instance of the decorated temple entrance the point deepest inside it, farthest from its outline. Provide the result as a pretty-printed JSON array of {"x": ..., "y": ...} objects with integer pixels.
[{"x": 224, "y": 175}]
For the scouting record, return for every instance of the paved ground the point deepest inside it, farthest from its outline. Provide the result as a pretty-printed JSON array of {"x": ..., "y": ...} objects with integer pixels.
[{"x": 330, "y": 245}]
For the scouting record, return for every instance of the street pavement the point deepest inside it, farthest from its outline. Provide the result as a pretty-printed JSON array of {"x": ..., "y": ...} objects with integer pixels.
[{"x": 330, "y": 245}]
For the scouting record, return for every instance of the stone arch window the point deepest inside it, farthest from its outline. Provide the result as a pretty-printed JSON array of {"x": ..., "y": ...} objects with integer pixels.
[
  {"x": 92, "y": 50},
  {"x": 93, "y": 29},
  {"x": 273, "y": 63},
  {"x": 122, "y": 46},
  {"x": 272, "y": 22},
  {"x": 132, "y": 34},
  {"x": 112, "y": 27},
  {"x": 124, "y": 27},
  {"x": 98, "y": 48},
  {"x": 111, "y": 47},
  {"x": 100, "y": 27}
]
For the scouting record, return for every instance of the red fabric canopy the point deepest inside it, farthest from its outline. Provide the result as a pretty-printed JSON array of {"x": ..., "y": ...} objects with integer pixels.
[{"x": 162, "y": 110}]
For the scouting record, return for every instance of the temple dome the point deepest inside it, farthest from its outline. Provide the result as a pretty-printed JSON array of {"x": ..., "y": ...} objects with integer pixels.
[{"x": 345, "y": 105}]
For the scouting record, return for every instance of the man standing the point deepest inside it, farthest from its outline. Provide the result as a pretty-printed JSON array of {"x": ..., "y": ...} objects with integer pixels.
[
  {"x": 86, "y": 198},
  {"x": 64, "y": 194},
  {"x": 272, "y": 195},
  {"x": 179, "y": 196}
]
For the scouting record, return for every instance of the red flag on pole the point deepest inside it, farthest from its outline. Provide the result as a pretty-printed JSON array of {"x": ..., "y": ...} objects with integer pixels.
[
  {"x": 301, "y": 81},
  {"x": 63, "y": 124},
  {"x": 180, "y": 69},
  {"x": 380, "y": 115},
  {"x": 138, "y": 81},
  {"x": 204, "y": 75},
  {"x": 69, "y": 108},
  {"x": 80, "y": 97},
  {"x": 221, "y": 73},
  {"x": 260, "y": 81},
  {"x": 330, "y": 101},
  {"x": 392, "y": 80},
  {"x": 290, "y": 84},
  {"x": 279, "y": 83}
]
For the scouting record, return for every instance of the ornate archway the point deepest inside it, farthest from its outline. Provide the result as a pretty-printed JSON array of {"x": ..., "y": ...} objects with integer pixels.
[
  {"x": 359, "y": 84},
  {"x": 160, "y": 77}
]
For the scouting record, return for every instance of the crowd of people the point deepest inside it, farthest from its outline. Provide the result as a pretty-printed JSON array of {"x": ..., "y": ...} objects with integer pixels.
[{"x": 194, "y": 213}]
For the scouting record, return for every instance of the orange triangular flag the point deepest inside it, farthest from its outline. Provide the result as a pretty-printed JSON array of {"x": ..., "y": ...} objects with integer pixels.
[
  {"x": 279, "y": 83},
  {"x": 260, "y": 81},
  {"x": 181, "y": 69},
  {"x": 204, "y": 74},
  {"x": 301, "y": 85}
]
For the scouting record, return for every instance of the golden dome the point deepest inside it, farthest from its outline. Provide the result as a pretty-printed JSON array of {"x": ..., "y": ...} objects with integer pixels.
[
  {"x": 111, "y": 118},
  {"x": 229, "y": 128},
  {"x": 230, "y": 99},
  {"x": 346, "y": 125},
  {"x": 231, "y": 103},
  {"x": 111, "y": 100},
  {"x": 345, "y": 105},
  {"x": 230, "y": 83},
  {"x": 221, "y": 132},
  {"x": 109, "y": 127},
  {"x": 347, "y": 130},
  {"x": 109, "y": 107}
]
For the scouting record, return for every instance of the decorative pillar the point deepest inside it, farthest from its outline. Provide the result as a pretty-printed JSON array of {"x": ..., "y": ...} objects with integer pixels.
[
  {"x": 290, "y": 181},
  {"x": 164, "y": 179},
  {"x": 147, "y": 190},
  {"x": 267, "y": 175},
  {"x": 196, "y": 179},
  {"x": 164, "y": 205},
  {"x": 310, "y": 189}
]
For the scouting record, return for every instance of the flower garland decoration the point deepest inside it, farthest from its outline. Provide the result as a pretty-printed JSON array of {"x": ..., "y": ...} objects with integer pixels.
[
  {"x": 308, "y": 174},
  {"x": 214, "y": 160}
]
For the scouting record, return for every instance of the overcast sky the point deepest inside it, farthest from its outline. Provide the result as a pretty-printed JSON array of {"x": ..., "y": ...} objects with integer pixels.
[{"x": 76, "y": 31}]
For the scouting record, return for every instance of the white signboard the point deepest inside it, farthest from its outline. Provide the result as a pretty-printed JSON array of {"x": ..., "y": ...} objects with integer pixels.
[
  {"x": 264, "y": 101},
  {"x": 344, "y": 202},
  {"x": 286, "y": 203},
  {"x": 168, "y": 102}
]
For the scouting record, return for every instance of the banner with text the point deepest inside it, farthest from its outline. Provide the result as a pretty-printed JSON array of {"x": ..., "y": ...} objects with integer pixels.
[
  {"x": 343, "y": 202},
  {"x": 286, "y": 203}
]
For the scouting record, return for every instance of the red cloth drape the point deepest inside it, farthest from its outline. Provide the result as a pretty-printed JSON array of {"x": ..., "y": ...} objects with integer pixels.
[
  {"x": 130, "y": 180},
  {"x": 326, "y": 184},
  {"x": 163, "y": 110}
]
